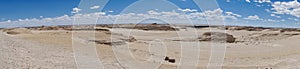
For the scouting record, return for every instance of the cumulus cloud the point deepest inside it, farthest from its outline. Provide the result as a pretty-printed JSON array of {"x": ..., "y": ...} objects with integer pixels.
[
  {"x": 188, "y": 10},
  {"x": 259, "y": 1},
  {"x": 8, "y": 21},
  {"x": 271, "y": 20},
  {"x": 262, "y": 1},
  {"x": 275, "y": 16},
  {"x": 248, "y": 1},
  {"x": 254, "y": 17},
  {"x": 76, "y": 10},
  {"x": 290, "y": 8},
  {"x": 233, "y": 14},
  {"x": 216, "y": 15},
  {"x": 95, "y": 7},
  {"x": 268, "y": 10}
]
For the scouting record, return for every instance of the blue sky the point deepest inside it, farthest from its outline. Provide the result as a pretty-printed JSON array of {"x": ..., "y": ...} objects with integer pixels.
[
  {"x": 252, "y": 12},
  {"x": 21, "y": 9}
]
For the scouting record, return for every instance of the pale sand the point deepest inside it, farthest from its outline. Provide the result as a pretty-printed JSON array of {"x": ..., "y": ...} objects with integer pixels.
[{"x": 53, "y": 49}]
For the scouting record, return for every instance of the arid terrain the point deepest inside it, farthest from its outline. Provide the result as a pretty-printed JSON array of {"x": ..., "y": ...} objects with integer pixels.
[{"x": 60, "y": 47}]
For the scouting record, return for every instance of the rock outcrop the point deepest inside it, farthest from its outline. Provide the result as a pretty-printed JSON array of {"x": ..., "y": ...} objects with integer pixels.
[
  {"x": 155, "y": 26},
  {"x": 217, "y": 36}
]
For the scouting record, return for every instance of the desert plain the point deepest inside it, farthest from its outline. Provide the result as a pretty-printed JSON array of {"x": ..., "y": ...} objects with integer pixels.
[{"x": 63, "y": 47}]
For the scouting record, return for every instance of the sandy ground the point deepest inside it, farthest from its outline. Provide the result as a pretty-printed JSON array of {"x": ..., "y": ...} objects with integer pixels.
[
  {"x": 61, "y": 49},
  {"x": 22, "y": 53}
]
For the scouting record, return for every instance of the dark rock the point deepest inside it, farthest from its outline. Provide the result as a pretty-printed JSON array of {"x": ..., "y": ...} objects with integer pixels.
[
  {"x": 101, "y": 29},
  {"x": 172, "y": 60},
  {"x": 154, "y": 24},
  {"x": 166, "y": 58},
  {"x": 169, "y": 60}
]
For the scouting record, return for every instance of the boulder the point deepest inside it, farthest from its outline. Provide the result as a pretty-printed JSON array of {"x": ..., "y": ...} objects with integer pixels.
[{"x": 217, "y": 36}]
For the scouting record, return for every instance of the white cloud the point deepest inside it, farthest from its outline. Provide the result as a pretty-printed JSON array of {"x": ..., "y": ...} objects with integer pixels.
[
  {"x": 262, "y": 1},
  {"x": 295, "y": 19},
  {"x": 41, "y": 16},
  {"x": 290, "y": 8},
  {"x": 231, "y": 13},
  {"x": 267, "y": 10},
  {"x": 152, "y": 12},
  {"x": 8, "y": 21},
  {"x": 248, "y": 1},
  {"x": 188, "y": 10},
  {"x": 216, "y": 14},
  {"x": 175, "y": 17},
  {"x": 20, "y": 20},
  {"x": 271, "y": 20},
  {"x": 254, "y": 17},
  {"x": 110, "y": 11},
  {"x": 76, "y": 10},
  {"x": 95, "y": 7},
  {"x": 275, "y": 15}
]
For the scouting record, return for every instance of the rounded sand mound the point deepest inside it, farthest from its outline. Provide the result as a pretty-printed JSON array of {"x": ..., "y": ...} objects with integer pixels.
[
  {"x": 217, "y": 36},
  {"x": 16, "y": 31}
]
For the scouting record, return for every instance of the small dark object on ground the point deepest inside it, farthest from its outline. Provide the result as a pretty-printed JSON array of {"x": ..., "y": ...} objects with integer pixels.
[
  {"x": 154, "y": 24},
  {"x": 108, "y": 42},
  {"x": 166, "y": 58},
  {"x": 172, "y": 60},
  {"x": 101, "y": 29},
  {"x": 169, "y": 60}
]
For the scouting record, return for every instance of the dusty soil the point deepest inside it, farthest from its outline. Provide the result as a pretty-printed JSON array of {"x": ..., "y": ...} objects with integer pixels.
[{"x": 58, "y": 48}]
